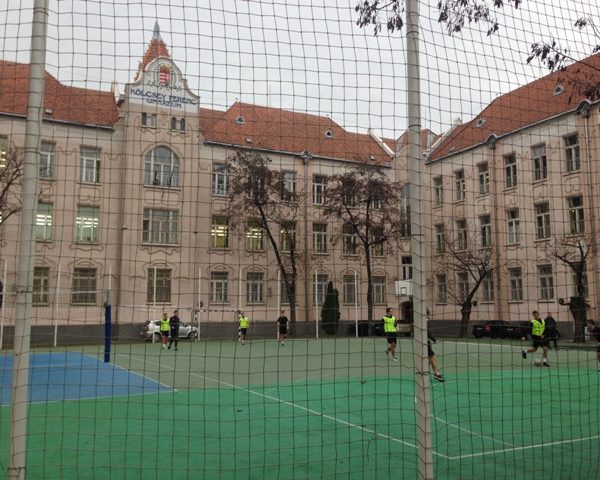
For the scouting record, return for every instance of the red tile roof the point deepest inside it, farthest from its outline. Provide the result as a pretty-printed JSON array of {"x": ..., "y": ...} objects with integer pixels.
[
  {"x": 61, "y": 103},
  {"x": 527, "y": 105},
  {"x": 253, "y": 126},
  {"x": 157, "y": 48}
]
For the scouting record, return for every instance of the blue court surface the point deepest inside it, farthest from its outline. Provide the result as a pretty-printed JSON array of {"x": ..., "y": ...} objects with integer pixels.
[{"x": 73, "y": 376}]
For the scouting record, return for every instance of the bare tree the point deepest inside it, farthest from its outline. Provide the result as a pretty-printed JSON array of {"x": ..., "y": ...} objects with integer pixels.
[
  {"x": 367, "y": 204},
  {"x": 11, "y": 175},
  {"x": 574, "y": 252},
  {"x": 455, "y": 14},
  {"x": 260, "y": 203},
  {"x": 466, "y": 265}
]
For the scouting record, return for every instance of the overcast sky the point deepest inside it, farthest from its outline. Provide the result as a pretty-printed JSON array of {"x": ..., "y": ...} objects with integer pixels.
[{"x": 296, "y": 55}]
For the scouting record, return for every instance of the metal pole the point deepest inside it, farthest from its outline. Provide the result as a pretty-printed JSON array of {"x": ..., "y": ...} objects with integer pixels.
[
  {"x": 316, "y": 303},
  {"x": 355, "y": 303},
  {"x": 26, "y": 253},
  {"x": 154, "y": 303},
  {"x": 424, "y": 441},
  {"x": 199, "y": 301},
  {"x": 3, "y": 299},
  {"x": 55, "y": 308}
]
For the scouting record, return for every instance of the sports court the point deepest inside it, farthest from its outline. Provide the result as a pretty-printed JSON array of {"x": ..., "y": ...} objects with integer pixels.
[{"x": 330, "y": 408}]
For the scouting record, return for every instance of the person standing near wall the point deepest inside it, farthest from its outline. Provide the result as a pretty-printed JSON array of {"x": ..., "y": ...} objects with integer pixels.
[
  {"x": 551, "y": 332},
  {"x": 164, "y": 329},
  {"x": 282, "y": 327},
  {"x": 244, "y": 325},
  {"x": 174, "y": 323}
]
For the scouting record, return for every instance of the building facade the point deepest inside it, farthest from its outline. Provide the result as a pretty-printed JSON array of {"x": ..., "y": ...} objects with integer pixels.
[{"x": 131, "y": 189}]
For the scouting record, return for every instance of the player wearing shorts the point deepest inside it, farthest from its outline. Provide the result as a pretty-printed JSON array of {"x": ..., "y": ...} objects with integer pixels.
[
  {"x": 164, "y": 329},
  {"x": 391, "y": 332},
  {"x": 282, "y": 327},
  {"x": 244, "y": 324},
  {"x": 538, "y": 326}
]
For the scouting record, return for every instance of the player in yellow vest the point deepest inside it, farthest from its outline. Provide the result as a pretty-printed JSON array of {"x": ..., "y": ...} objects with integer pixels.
[
  {"x": 244, "y": 324},
  {"x": 538, "y": 326},
  {"x": 391, "y": 332},
  {"x": 164, "y": 329}
]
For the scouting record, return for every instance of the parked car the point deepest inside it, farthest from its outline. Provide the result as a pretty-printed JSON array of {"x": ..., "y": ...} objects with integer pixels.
[
  {"x": 152, "y": 328},
  {"x": 502, "y": 329}
]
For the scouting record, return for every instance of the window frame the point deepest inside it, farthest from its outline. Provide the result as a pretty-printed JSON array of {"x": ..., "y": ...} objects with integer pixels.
[
  {"x": 43, "y": 222},
  {"x": 513, "y": 226},
  {"x": 542, "y": 221},
  {"x": 161, "y": 170},
  {"x": 164, "y": 279},
  {"x": 572, "y": 152},
  {"x": 82, "y": 224},
  {"x": 546, "y": 282},
  {"x": 219, "y": 287},
  {"x": 41, "y": 286},
  {"x": 219, "y": 232},
  {"x": 540, "y": 162},
  {"x": 220, "y": 179},
  {"x": 255, "y": 288},
  {"x": 89, "y": 165},
  {"x": 460, "y": 185},
  {"x": 161, "y": 218},
  {"x": 47, "y": 159},
  {"x": 379, "y": 290},
  {"x": 84, "y": 287},
  {"x": 515, "y": 280},
  {"x": 319, "y": 231},
  {"x": 510, "y": 171},
  {"x": 576, "y": 215},
  {"x": 483, "y": 174},
  {"x": 319, "y": 183}
]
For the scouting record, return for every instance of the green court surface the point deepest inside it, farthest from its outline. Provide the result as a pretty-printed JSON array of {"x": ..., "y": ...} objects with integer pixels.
[{"x": 322, "y": 409}]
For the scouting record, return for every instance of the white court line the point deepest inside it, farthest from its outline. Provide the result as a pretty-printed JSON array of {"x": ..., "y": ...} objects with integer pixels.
[
  {"x": 526, "y": 447},
  {"x": 466, "y": 430},
  {"x": 308, "y": 410}
]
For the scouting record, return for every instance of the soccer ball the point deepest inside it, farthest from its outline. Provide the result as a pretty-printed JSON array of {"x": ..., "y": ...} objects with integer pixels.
[{"x": 537, "y": 362}]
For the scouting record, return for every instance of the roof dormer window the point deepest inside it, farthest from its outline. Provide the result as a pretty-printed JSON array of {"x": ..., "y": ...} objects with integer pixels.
[
  {"x": 559, "y": 89},
  {"x": 240, "y": 120},
  {"x": 328, "y": 133},
  {"x": 248, "y": 139},
  {"x": 480, "y": 122}
]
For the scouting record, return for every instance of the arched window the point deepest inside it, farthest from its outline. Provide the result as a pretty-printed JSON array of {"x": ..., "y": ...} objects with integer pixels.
[
  {"x": 161, "y": 168},
  {"x": 174, "y": 123},
  {"x": 182, "y": 125}
]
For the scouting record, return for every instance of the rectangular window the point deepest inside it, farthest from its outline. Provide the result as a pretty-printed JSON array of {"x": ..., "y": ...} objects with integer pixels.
[
  {"x": 83, "y": 291},
  {"x": 576, "y": 219},
  {"x": 438, "y": 190},
  {"x": 572, "y": 153},
  {"x": 220, "y": 180},
  {"x": 349, "y": 289},
  {"x": 283, "y": 293},
  {"x": 441, "y": 289},
  {"x": 86, "y": 224},
  {"x": 3, "y": 151},
  {"x": 542, "y": 219},
  {"x": 349, "y": 239},
  {"x": 407, "y": 269},
  {"x": 90, "y": 165},
  {"x": 461, "y": 235},
  {"x": 510, "y": 171},
  {"x": 289, "y": 186},
  {"x": 440, "y": 238},
  {"x": 540, "y": 162},
  {"x": 377, "y": 242},
  {"x": 513, "y": 225},
  {"x": 485, "y": 226},
  {"x": 218, "y": 287},
  {"x": 462, "y": 282},
  {"x": 487, "y": 285},
  {"x": 46, "y": 160},
  {"x": 287, "y": 236},
  {"x": 319, "y": 237},
  {"x": 254, "y": 288},
  {"x": 161, "y": 168},
  {"x": 379, "y": 296},
  {"x": 43, "y": 222},
  {"x": 484, "y": 178},
  {"x": 149, "y": 120},
  {"x": 516, "y": 284},
  {"x": 459, "y": 184},
  {"x": 349, "y": 193},
  {"x": 219, "y": 232},
  {"x": 160, "y": 226},
  {"x": 159, "y": 285},
  {"x": 254, "y": 236},
  {"x": 318, "y": 190},
  {"x": 546, "y": 282},
  {"x": 376, "y": 202},
  {"x": 320, "y": 289},
  {"x": 41, "y": 286}
]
